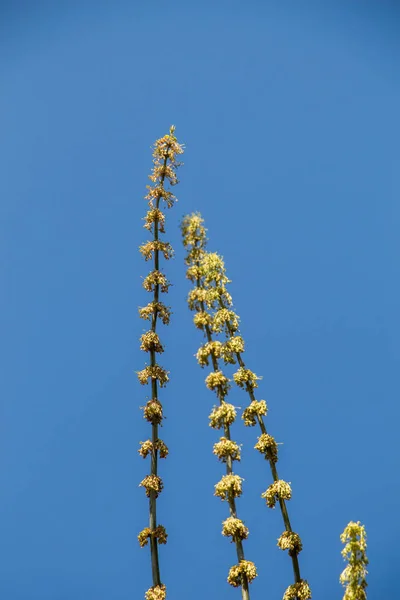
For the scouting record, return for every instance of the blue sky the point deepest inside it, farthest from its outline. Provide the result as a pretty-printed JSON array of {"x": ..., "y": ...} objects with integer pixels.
[{"x": 289, "y": 114}]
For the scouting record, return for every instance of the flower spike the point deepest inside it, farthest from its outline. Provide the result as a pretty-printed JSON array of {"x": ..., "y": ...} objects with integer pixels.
[{"x": 165, "y": 153}]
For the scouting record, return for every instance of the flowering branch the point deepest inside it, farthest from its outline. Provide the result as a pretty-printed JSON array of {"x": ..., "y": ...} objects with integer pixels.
[
  {"x": 165, "y": 153},
  {"x": 354, "y": 575},
  {"x": 201, "y": 300},
  {"x": 209, "y": 268}
]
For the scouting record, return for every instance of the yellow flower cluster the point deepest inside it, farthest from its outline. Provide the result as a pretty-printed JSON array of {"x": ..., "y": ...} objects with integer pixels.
[
  {"x": 225, "y": 414},
  {"x": 155, "y": 278},
  {"x": 157, "y": 592},
  {"x": 298, "y": 591},
  {"x": 152, "y": 483},
  {"x": 289, "y": 540},
  {"x": 193, "y": 230},
  {"x": 150, "y": 341},
  {"x": 235, "y": 528},
  {"x": 267, "y": 445},
  {"x": 155, "y": 372},
  {"x": 224, "y": 316},
  {"x": 217, "y": 381},
  {"x": 162, "y": 448},
  {"x": 154, "y": 215},
  {"x": 218, "y": 350},
  {"x": 205, "y": 351},
  {"x": 165, "y": 149},
  {"x": 246, "y": 568},
  {"x": 354, "y": 575},
  {"x": 168, "y": 147},
  {"x": 199, "y": 296},
  {"x": 159, "y": 534},
  {"x": 225, "y": 448},
  {"x": 201, "y": 319},
  {"x": 162, "y": 171},
  {"x": 213, "y": 268},
  {"x": 230, "y": 486},
  {"x": 235, "y": 344},
  {"x": 147, "y": 448},
  {"x": 152, "y": 246},
  {"x": 153, "y": 412},
  {"x": 155, "y": 308},
  {"x": 194, "y": 273},
  {"x": 245, "y": 378},
  {"x": 257, "y": 408},
  {"x": 279, "y": 490},
  {"x": 157, "y": 192}
]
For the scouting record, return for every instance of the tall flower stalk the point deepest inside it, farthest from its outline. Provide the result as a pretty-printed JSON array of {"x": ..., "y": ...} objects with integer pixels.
[
  {"x": 202, "y": 299},
  {"x": 353, "y": 578},
  {"x": 166, "y": 150},
  {"x": 208, "y": 270}
]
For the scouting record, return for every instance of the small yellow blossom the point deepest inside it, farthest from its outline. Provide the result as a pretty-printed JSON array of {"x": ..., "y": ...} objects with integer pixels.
[
  {"x": 196, "y": 297},
  {"x": 225, "y": 448},
  {"x": 279, "y": 490},
  {"x": 159, "y": 534},
  {"x": 353, "y": 578},
  {"x": 225, "y": 414},
  {"x": 149, "y": 248},
  {"x": 214, "y": 269},
  {"x": 150, "y": 341},
  {"x": 153, "y": 412},
  {"x": 267, "y": 445},
  {"x": 147, "y": 448},
  {"x": 157, "y": 592},
  {"x": 230, "y": 486},
  {"x": 224, "y": 317},
  {"x": 193, "y": 230},
  {"x": 162, "y": 448},
  {"x": 194, "y": 273},
  {"x": 143, "y": 536},
  {"x": 246, "y": 568},
  {"x": 235, "y": 528},
  {"x": 245, "y": 378},
  {"x": 298, "y": 591},
  {"x": 155, "y": 278},
  {"x": 156, "y": 372},
  {"x": 257, "y": 408},
  {"x": 289, "y": 540},
  {"x": 201, "y": 319},
  {"x": 157, "y": 308},
  {"x": 217, "y": 381},
  {"x": 161, "y": 172},
  {"x": 154, "y": 215},
  {"x": 231, "y": 348},
  {"x": 200, "y": 296},
  {"x": 158, "y": 191},
  {"x": 235, "y": 344},
  {"x": 214, "y": 348},
  {"x": 152, "y": 483}
]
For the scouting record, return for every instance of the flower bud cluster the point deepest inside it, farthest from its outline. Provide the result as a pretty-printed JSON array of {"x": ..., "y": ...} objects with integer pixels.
[
  {"x": 353, "y": 578},
  {"x": 244, "y": 568}
]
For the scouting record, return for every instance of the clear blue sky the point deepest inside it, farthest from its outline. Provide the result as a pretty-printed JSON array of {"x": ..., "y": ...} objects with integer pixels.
[{"x": 290, "y": 116}]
